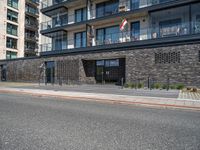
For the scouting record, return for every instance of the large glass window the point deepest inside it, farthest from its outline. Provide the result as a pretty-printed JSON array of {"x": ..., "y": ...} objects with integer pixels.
[
  {"x": 80, "y": 39},
  {"x": 195, "y": 17},
  {"x": 170, "y": 27},
  {"x": 11, "y": 43},
  {"x": 60, "y": 42},
  {"x": 13, "y": 3},
  {"x": 107, "y": 8},
  {"x": 12, "y": 16},
  {"x": 170, "y": 22},
  {"x": 11, "y": 55},
  {"x": 80, "y": 15},
  {"x": 11, "y": 29},
  {"x": 107, "y": 35},
  {"x": 59, "y": 20}
]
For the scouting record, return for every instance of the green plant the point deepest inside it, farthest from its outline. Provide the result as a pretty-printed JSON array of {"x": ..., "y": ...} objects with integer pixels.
[
  {"x": 140, "y": 85},
  {"x": 172, "y": 87},
  {"x": 179, "y": 86},
  {"x": 133, "y": 85},
  {"x": 157, "y": 85},
  {"x": 164, "y": 86}
]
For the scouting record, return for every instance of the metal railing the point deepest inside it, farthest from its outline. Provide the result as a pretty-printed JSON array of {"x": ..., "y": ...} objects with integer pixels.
[
  {"x": 127, "y": 36},
  {"x": 34, "y": 1},
  {"x": 135, "y": 5},
  {"x": 31, "y": 24},
  {"x": 48, "y": 3},
  {"x": 32, "y": 37}
]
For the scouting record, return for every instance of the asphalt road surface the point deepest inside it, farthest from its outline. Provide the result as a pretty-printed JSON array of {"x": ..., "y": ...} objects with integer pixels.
[{"x": 38, "y": 123}]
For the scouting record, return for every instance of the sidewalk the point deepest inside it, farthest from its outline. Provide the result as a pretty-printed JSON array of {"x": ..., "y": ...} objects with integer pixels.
[{"x": 108, "y": 95}]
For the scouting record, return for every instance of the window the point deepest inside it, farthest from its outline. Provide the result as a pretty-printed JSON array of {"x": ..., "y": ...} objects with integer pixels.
[
  {"x": 135, "y": 4},
  {"x": 100, "y": 63},
  {"x": 80, "y": 15},
  {"x": 112, "y": 63},
  {"x": 107, "y": 35},
  {"x": 135, "y": 31},
  {"x": 170, "y": 27},
  {"x": 59, "y": 20},
  {"x": 12, "y": 16},
  {"x": 195, "y": 18},
  {"x": 11, "y": 29},
  {"x": 11, "y": 55},
  {"x": 13, "y": 3},
  {"x": 107, "y": 8},
  {"x": 80, "y": 39},
  {"x": 31, "y": 10},
  {"x": 11, "y": 43},
  {"x": 167, "y": 58}
]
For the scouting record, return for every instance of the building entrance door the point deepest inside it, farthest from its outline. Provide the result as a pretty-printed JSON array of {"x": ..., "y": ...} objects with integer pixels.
[
  {"x": 3, "y": 72},
  {"x": 50, "y": 72},
  {"x": 110, "y": 70}
]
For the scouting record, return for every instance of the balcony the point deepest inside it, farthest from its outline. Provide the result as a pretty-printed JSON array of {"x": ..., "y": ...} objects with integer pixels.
[
  {"x": 48, "y": 3},
  {"x": 32, "y": 11},
  {"x": 124, "y": 6},
  {"x": 31, "y": 37},
  {"x": 156, "y": 35},
  {"x": 58, "y": 21},
  {"x": 32, "y": 25},
  {"x": 33, "y": 2}
]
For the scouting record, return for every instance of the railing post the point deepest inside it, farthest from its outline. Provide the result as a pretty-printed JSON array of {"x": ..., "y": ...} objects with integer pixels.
[
  {"x": 149, "y": 87},
  {"x": 168, "y": 82}
]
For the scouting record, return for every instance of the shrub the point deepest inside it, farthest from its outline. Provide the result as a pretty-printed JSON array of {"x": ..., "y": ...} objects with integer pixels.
[
  {"x": 164, "y": 86},
  {"x": 140, "y": 85},
  {"x": 179, "y": 86},
  {"x": 172, "y": 87},
  {"x": 127, "y": 85},
  {"x": 133, "y": 85},
  {"x": 157, "y": 85}
]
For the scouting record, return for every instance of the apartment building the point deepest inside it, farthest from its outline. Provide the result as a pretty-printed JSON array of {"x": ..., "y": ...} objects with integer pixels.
[
  {"x": 115, "y": 41},
  {"x": 18, "y": 28},
  {"x": 31, "y": 28}
]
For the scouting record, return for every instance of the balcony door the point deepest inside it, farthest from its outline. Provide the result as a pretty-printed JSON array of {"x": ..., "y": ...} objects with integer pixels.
[
  {"x": 135, "y": 31},
  {"x": 107, "y": 35}
]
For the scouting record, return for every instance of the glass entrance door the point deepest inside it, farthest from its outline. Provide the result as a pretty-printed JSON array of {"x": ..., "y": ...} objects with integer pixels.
[
  {"x": 110, "y": 70},
  {"x": 50, "y": 72},
  {"x": 100, "y": 71}
]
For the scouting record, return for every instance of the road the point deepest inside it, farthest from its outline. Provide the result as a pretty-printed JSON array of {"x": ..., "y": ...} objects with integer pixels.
[{"x": 39, "y": 123}]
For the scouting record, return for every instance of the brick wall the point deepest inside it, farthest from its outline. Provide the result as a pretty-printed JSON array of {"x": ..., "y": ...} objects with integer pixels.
[{"x": 139, "y": 65}]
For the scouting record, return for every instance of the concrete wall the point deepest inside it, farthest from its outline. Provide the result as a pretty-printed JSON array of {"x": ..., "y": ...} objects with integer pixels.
[{"x": 140, "y": 63}]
